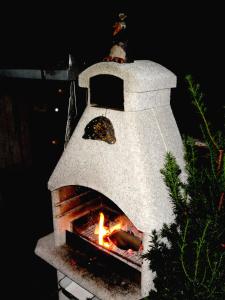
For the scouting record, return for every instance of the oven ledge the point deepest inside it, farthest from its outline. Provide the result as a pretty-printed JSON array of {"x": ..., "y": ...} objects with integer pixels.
[{"x": 59, "y": 258}]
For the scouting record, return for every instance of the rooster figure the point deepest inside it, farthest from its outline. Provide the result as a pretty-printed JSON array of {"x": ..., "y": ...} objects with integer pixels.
[{"x": 118, "y": 50}]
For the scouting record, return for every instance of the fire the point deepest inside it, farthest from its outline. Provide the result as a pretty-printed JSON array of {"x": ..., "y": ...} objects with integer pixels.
[{"x": 103, "y": 232}]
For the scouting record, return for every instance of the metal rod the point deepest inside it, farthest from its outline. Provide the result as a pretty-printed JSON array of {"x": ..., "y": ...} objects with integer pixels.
[
  {"x": 61, "y": 75},
  {"x": 77, "y": 208},
  {"x": 72, "y": 198}
]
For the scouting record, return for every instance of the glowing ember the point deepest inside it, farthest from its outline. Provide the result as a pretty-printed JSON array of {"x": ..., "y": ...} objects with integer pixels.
[
  {"x": 103, "y": 232},
  {"x": 130, "y": 251}
]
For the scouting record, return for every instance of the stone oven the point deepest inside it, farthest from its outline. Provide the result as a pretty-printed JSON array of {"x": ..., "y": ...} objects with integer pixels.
[{"x": 109, "y": 175}]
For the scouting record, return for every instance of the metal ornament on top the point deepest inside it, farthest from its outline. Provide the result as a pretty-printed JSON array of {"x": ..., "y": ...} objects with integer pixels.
[{"x": 118, "y": 50}]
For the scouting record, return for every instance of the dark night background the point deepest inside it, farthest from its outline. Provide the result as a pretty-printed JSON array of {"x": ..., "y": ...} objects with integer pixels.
[{"x": 186, "y": 38}]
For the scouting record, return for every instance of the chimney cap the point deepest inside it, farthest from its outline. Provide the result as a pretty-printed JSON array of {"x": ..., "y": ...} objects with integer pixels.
[{"x": 139, "y": 76}]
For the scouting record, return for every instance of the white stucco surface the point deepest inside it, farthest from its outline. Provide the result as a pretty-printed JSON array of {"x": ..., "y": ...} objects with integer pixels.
[
  {"x": 139, "y": 76},
  {"x": 128, "y": 172}
]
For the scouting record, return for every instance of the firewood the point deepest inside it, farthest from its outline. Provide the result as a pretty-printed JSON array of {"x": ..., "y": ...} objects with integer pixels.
[{"x": 125, "y": 240}]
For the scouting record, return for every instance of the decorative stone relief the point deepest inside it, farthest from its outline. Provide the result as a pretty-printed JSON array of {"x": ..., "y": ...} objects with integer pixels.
[{"x": 100, "y": 128}]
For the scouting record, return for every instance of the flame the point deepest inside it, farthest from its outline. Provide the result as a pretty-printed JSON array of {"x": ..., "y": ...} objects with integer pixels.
[{"x": 103, "y": 232}]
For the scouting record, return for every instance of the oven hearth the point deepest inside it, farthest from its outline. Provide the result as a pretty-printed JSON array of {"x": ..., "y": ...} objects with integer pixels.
[{"x": 86, "y": 227}]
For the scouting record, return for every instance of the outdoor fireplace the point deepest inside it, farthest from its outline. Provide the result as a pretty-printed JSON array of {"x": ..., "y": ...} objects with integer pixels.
[{"x": 107, "y": 190}]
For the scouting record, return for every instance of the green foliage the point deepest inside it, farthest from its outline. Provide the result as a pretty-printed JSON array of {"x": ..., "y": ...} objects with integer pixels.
[{"x": 191, "y": 264}]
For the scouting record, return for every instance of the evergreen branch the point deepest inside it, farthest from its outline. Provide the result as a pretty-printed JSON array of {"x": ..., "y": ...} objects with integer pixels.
[
  {"x": 204, "y": 276},
  {"x": 171, "y": 172},
  {"x": 197, "y": 101},
  {"x": 212, "y": 292},
  {"x": 190, "y": 156},
  {"x": 183, "y": 238},
  {"x": 191, "y": 264},
  {"x": 216, "y": 267},
  {"x": 211, "y": 153},
  {"x": 208, "y": 260},
  {"x": 199, "y": 248},
  {"x": 214, "y": 273}
]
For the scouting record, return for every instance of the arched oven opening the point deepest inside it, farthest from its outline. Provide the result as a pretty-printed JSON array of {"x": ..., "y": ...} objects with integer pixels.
[{"x": 99, "y": 233}]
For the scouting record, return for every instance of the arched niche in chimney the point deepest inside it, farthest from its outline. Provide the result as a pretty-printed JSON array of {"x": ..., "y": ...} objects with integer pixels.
[{"x": 106, "y": 91}]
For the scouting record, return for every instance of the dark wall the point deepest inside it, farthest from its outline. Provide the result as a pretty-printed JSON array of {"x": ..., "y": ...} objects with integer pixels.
[
  {"x": 186, "y": 37},
  {"x": 28, "y": 127}
]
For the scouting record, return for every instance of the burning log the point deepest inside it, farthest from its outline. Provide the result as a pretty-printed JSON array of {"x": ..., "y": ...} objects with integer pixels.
[{"x": 125, "y": 240}]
